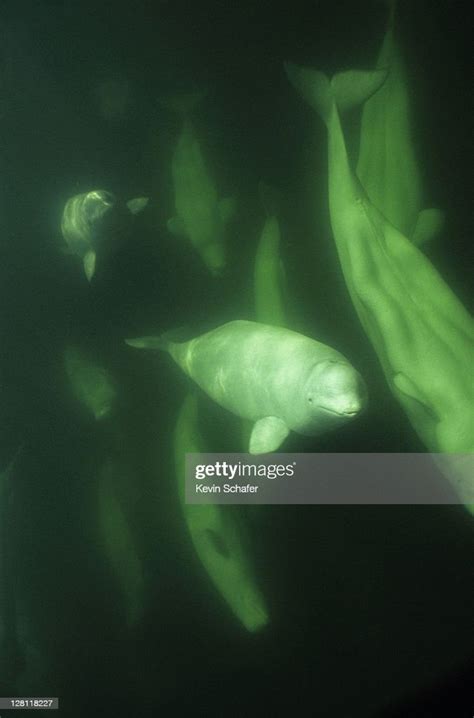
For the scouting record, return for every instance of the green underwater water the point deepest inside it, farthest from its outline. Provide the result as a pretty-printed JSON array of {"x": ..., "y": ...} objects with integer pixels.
[{"x": 104, "y": 601}]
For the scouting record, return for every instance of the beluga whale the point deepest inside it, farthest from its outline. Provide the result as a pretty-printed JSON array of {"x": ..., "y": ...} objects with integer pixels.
[
  {"x": 388, "y": 166},
  {"x": 86, "y": 224},
  {"x": 279, "y": 379},
  {"x": 421, "y": 332},
  {"x": 200, "y": 215},
  {"x": 219, "y": 534},
  {"x": 269, "y": 271}
]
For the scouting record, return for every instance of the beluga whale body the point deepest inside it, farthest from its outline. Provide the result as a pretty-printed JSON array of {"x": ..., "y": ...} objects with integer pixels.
[
  {"x": 279, "y": 379},
  {"x": 269, "y": 271},
  {"x": 387, "y": 165},
  {"x": 200, "y": 215},
  {"x": 219, "y": 535}
]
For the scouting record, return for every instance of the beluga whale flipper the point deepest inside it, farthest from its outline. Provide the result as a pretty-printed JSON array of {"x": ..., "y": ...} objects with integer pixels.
[
  {"x": 423, "y": 335},
  {"x": 281, "y": 380},
  {"x": 200, "y": 215}
]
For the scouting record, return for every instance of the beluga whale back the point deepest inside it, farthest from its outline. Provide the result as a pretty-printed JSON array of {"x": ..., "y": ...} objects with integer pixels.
[{"x": 279, "y": 379}]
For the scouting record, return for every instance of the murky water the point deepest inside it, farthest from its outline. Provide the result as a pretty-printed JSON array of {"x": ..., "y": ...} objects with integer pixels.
[{"x": 106, "y": 601}]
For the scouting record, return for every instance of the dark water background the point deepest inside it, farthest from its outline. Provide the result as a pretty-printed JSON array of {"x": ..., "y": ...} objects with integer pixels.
[{"x": 371, "y": 607}]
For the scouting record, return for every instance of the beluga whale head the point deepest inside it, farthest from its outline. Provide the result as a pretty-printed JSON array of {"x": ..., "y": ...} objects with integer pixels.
[{"x": 335, "y": 387}]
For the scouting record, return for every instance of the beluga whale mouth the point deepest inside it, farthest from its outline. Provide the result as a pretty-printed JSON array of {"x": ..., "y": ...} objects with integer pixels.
[
  {"x": 343, "y": 412},
  {"x": 332, "y": 411}
]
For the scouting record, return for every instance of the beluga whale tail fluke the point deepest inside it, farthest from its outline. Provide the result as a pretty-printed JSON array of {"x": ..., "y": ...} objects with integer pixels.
[{"x": 344, "y": 90}]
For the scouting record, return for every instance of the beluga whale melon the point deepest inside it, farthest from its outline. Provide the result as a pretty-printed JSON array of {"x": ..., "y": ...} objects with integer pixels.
[{"x": 279, "y": 379}]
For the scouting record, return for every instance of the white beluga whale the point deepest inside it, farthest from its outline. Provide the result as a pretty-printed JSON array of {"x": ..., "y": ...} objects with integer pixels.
[
  {"x": 91, "y": 384},
  {"x": 219, "y": 537},
  {"x": 200, "y": 215},
  {"x": 423, "y": 335},
  {"x": 279, "y": 379},
  {"x": 388, "y": 166},
  {"x": 83, "y": 223}
]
